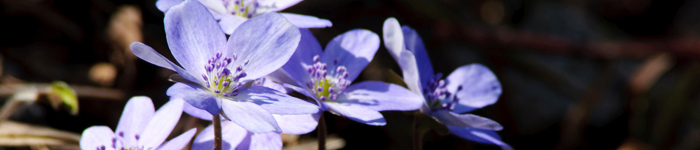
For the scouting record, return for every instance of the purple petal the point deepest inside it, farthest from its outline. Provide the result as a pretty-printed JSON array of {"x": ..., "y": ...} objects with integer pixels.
[
  {"x": 280, "y": 76},
  {"x": 196, "y": 96},
  {"x": 164, "y": 5},
  {"x": 267, "y": 41},
  {"x": 298, "y": 124},
  {"x": 304, "y": 21},
  {"x": 393, "y": 37},
  {"x": 272, "y": 85},
  {"x": 180, "y": 141},
  {"x": 380, "y": 96},
  {"x": 276, "y": 102},
  {"x": 466, "y": 120},
  {"x": 250, "y": 116},
  {"x": 232, "y": 136},
  {"x": 353, "y": 49},
  {"x": 135, "y": 117},
  {"x": 229, "y": 22},
  {"x": 358, "y": 113},
  {"x": 411, "y": 76},
  {"x": 480, "y": 87},
  {"x": 479, "y": 135},
  {"x": 322, "y": 106},
  {"x": 150, "y": 55},
  {"x": 394, "y": 42},
  {"x": 415, "y": 44},
  {"x": 216, "y": 6},
  {"x": 161, "y": 125},
  {"x": 274, "y": 5},
  {"x": 270, "y": 140},
  {"x": 193, "y": 36},
  {"x": 297, "y": 65},
  {"x": 194, "y": 111},
  {"x": 96, "y": 136}
]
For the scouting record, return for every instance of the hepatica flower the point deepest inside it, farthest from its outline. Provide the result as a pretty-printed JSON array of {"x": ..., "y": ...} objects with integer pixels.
[
  {"x": 231, "y": 13},
  {"x": 215, "y": 70},
  {"x": 326, "y": 76},
  {"x": 140, "y": 127},
  {"x": 447, "y": 100}
]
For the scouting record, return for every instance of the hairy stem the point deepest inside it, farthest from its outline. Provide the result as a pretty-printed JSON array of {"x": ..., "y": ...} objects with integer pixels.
[
  {"x": 321, "y": 130},
  {"x": 217, "y": 132},
  {"x": 417, "y": 134}
]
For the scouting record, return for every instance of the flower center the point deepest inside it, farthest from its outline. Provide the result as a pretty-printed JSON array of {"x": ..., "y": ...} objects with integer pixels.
[
  {"x": 219, "y": 79},
  {"x": 325, "y": 85},
  {"x": 242, "y": 8},
  {"x": 437, "y": 95}
]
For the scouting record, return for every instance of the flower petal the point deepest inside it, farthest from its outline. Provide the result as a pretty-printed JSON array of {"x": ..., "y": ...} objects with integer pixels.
[
  {"x": 304, "y": 21},
  {"x": 194, "y": 111},
  {"x": 276, "y": 102},
  {"x": 358, "y": 113},
  {"x": 274, "y": 5},
  {"x": 480, "y": 87},
  {"x": 164, "y": 5},
  {"x": 229, "y": 22},
  {"x": 150, "y": 55},
  {"x": 163, "y": 122},
  {"x": 411, "y": 76},
  {"x": 266, "y": 41},
  {"x": 232, "y": 136},
  {"x": 96, "y": 137},
  {"x": 193, "y": 36},
  {"x": 267, "y": 82},
  {"x": 250, "y": 116},
  {"x": 196, "y": 96},
  {"x": 307, "y": 94},
  {"x": 353, "y": 49},
  {"x": 479, "y": 135},
  {"x": 380, "y": 96},
  {"x": 298, "y": 124},
  {"x": 303, "y": 58},
  {"x": 216, "y": 6},
  {"x": 466, "y": 120},
  {"x": 415, "y": 44},
  {"x": 135, "y": 117},
  {"x": 393, "y": 37},
  {"x": 180, "y": 141},
  {"x": 270, "y": 140}
]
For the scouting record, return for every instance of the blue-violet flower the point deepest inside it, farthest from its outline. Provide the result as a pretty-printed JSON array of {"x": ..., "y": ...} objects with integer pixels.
[
  {"x": 140, "y": 127},
  {"x": 326, "y": 75},
  {"x": 215, "y": 70},
  {"x": 447, "y": 100}
]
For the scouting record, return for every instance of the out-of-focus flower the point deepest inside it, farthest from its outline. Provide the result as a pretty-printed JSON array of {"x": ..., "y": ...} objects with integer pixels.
[
  {"x": 215, "y": 70},
  {"x": 467, "y": 88},
  {"x": 326, "y": 75},
  {"x": 140, "y": 127},
  {"x": 231, "y": 13}
]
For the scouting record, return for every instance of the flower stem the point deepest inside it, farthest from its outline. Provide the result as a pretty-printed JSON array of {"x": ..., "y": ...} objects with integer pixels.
[
  {"x": 217, "y": 132},
  {"x": 321, "y": 132},
  {"x": 417, "y": 135}
]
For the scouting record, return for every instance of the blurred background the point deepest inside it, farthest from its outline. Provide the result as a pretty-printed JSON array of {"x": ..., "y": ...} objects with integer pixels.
[{"x": 576, "y": 74}]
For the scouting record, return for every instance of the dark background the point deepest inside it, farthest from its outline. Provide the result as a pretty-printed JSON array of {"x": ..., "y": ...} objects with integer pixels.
[{"x": 576, "y": 74}]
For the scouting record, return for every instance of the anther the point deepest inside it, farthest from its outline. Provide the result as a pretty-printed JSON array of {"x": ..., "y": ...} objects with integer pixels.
[{"x": 316, "y": 58}]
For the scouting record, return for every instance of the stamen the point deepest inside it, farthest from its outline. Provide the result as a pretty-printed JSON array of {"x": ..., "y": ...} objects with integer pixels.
[{"x": 316, "y": 58}]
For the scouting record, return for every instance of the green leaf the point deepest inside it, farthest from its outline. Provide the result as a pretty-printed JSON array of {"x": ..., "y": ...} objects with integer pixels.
[{"x": 66, "y": 94}]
